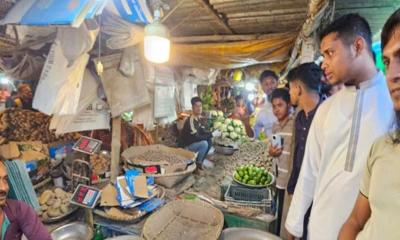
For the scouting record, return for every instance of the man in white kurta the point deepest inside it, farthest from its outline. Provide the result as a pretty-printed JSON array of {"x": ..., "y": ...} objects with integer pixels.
[{"x": 343, "y": 130}]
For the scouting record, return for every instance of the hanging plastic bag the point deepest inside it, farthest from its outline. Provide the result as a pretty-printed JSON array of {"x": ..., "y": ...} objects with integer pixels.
[
  {"x": 124, "y": 93},
  {"x": 59, "y": 87},
  {"x": 127, "y": 65},
  {"x": 122, "y": 34},
  {"x": 22, "y": 67},
  {"x": 77, "y": 41}
]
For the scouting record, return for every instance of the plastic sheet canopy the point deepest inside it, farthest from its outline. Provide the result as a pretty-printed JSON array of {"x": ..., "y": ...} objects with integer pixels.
[{"x": 235, "y": 54}]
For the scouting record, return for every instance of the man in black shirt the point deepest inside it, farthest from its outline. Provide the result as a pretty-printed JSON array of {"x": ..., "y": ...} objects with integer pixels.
[
  {"x": 195, "y": 136},
  {"x": 305, "y": 83}
]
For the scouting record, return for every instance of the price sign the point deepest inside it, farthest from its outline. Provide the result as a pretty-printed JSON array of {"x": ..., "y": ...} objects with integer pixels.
[
  {"x": 85, "y": 196},
  {"x": 87, "y": 145}
]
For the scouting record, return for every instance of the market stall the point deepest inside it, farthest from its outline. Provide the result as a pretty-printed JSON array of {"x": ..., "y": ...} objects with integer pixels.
[{"x": 93, "y": 145}]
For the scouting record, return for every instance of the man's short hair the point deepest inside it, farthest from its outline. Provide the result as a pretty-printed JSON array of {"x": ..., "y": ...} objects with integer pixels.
[
  {"x": 348, "y": 27},
  {"x": 389, "y": 28},
  {"x": 268, "y": 73},
  {"x": 309, "y": 74},
  {"x": 238, "y": 98},
  {"x": 195, "y": 100},
  {"x": 281, "y": 93}
]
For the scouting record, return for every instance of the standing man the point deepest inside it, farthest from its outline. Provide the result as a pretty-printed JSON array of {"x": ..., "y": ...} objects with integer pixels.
[
  {"x": 376, "y": 214},
  {"x": 265, "y": 118},
  {"x": 16, "y": 217},
  {"x": 305, "y": 84},
  {"x": 283, "y": 129},
  {"x": 342, "y": 132},
  {"x": 195, "y": 136}
]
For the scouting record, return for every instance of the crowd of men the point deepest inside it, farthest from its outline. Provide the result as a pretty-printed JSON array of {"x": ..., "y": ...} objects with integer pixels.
[{"x": 337, "y": 165}]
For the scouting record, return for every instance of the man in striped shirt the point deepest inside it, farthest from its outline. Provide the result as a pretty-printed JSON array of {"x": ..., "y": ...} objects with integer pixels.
[{"x": 282, "y": 129}]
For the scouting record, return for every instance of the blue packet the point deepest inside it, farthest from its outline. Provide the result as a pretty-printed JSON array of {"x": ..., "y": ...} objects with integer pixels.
[{"x": 151, "y": 205}]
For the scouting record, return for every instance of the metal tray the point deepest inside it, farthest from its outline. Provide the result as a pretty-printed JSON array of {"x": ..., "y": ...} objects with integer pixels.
[{"x": 75, "y": 230}]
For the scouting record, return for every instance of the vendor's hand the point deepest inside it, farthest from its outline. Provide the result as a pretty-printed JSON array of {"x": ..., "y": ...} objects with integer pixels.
[
  {"x": 217, "y": 133},
  {"x": 275, "y": 151}
]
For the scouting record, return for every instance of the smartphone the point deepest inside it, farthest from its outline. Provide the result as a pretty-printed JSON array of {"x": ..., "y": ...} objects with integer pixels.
[{"x": 277, "y": 141}]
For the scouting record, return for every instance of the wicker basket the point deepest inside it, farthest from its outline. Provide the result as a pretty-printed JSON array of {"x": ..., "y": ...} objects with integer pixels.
[{"x": 184, "y": 220}]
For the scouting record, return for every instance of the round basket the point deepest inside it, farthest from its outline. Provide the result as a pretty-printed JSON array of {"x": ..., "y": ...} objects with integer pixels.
[
  {"x": 184, "y": 219},
  {"x": 169, "y": 180}
]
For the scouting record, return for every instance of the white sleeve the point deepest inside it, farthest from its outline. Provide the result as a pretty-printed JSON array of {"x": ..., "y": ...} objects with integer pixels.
[
  {"x": 259, "y": 125},
  {"x": 304, "y": 192}
]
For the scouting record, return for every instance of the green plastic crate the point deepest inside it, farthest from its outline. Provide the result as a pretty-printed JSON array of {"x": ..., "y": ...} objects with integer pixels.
[{"x": 232, "y": 220}]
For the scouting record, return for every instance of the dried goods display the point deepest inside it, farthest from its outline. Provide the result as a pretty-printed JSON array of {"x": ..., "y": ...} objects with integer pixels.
[
  {"x": 100, "y": 163},
  {"x": 154, "y": 155},
  {"x": 254, "y": 152},
  {"x": 27, "y": 125},
  {"x": 54, "y": 203},
  {"x": 125, "y": 215}
]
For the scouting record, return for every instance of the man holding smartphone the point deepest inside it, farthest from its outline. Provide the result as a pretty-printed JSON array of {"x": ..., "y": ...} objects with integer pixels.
[{"x": 281, "y": 144}]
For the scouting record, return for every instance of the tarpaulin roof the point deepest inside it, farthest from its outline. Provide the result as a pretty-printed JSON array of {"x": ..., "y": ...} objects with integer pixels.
[{"x": 234, "y": 54}]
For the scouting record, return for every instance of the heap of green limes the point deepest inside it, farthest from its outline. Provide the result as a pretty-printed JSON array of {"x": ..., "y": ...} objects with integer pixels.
[{"x": 252, "y": 175}]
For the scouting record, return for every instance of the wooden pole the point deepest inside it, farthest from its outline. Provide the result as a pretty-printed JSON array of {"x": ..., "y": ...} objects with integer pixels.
[{"x": 115, "y": 148}]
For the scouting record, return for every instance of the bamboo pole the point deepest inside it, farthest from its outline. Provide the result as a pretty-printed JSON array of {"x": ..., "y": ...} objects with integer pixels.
[{"x": 115, "y": 148}]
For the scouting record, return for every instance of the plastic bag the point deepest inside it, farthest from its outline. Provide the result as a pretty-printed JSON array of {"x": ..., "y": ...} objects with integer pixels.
[
  {"x": 77, "y": 41},
  {"x": 58, "y": 91},
  {"x": 124, "y": 93},
  {"x": 23, "y": 67},
  {"x": 122, "y": 34},
  {"x": 127, "y": 65}
]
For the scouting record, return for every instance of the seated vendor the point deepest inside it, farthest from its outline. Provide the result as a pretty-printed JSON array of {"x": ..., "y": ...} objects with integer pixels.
[
  {"x": 194, "y": 136},
  {"x": 16, "y": 217}
]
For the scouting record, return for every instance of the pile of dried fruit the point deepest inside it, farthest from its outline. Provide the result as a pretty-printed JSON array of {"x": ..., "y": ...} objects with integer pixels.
[
  {"x": 26, "y": 125},
  {"x": 100, "y": 163},
  {"x": 54, "y": 203}
]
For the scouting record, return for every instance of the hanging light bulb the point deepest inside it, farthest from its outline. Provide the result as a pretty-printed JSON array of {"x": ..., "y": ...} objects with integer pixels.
[{"x": 156, "y": 41}]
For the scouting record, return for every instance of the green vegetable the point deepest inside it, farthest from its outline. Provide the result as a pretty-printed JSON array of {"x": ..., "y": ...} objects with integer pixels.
[{"x": 233, "y": 135}]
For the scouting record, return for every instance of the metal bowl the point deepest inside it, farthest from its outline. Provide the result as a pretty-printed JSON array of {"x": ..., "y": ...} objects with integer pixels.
[
  {"x": 255, "y": 186},
  {"x": 73, "y": 231},
  {"x": 224, "y": 150},
  {"x": 246, "y": 234}
]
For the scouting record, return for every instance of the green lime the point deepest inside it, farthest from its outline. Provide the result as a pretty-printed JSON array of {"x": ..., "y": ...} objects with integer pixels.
[
  {"x": 252, "y": 182},
  {"x": 237, "y": 176}
]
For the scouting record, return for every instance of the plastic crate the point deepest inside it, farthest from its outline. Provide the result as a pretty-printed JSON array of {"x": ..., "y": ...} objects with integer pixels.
[
  {"x": 232, "y": 220},
  {"x": 250, "y": 198},
  {"x": 241, "y": 193}
]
